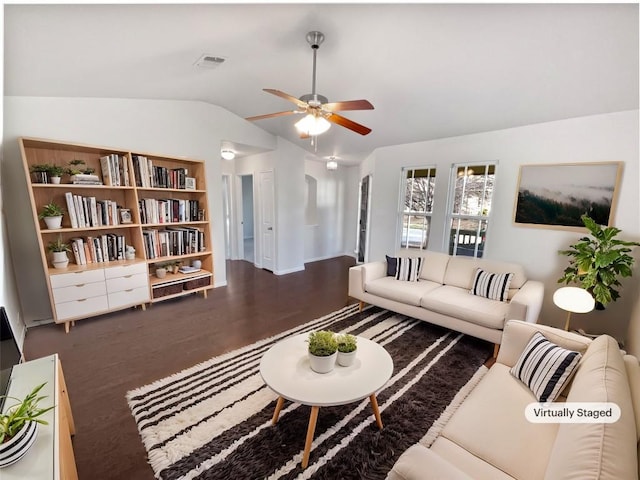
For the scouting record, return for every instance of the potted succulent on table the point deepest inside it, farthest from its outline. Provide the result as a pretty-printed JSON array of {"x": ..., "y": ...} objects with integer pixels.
[
  {"x": 59, "y": 251},
  {"x": 323, "y": 350},
  {"x": 597, "y": 262},
  {"x": 347, "y": 347},
  {"x": 52, "y": 215},
  {"x": 19, "y": 426}
]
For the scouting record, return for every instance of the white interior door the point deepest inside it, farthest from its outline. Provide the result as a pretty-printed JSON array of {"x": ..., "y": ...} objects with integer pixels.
[{"x": 267, "y": 220}]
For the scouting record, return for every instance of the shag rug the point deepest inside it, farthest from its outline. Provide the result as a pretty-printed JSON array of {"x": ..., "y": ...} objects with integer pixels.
[{"x": 213, "y": 421}]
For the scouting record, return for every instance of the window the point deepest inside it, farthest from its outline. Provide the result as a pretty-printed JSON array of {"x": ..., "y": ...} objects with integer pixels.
[
  {"x": 472, "y": 189},
  {"x": 415, "y": 216}
]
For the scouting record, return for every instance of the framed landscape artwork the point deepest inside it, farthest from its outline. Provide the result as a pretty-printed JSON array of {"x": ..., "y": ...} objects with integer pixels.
[{"x": 557, "y": 195}]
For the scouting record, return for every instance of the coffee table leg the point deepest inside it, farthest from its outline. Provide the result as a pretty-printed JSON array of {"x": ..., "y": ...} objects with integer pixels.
[
  {"x": 376, "y": 411},
  {"x": 276, "y": 412},
  {"x": 313, "y": 418}
]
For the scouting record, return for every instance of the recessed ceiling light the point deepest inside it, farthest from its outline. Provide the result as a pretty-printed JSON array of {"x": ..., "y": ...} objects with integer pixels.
[{"x": 209, "y": 61}]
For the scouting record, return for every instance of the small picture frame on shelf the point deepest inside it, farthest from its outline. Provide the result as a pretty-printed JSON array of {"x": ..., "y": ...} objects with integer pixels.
[
  {"x": 125, "y": 215},
  {"x": 201, "y": 215},
  {"x": 190, "y": 183}
]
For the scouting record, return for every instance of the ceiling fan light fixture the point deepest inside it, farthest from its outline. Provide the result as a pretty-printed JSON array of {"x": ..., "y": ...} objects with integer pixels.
[
  {"x": 227, "y": 154},
  {"x": 312, "y": 125}
]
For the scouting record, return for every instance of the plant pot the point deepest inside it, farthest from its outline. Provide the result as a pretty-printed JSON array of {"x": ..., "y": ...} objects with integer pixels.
[
  {"x": 18, "y": 446},
  {"x": 322, "y": 364},
  {"x": 346, "y": 359},
  {"x": 161, "y": 272},
  {"x": 53, "y": 223},
  {"x": 196, "y": 264},
  {"x": 55, "y": 180},
  {"x": 60, "y": 259}
]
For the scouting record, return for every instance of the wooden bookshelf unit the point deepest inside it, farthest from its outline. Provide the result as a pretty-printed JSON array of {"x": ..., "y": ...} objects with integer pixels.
[{"x": 155, "y": 204}]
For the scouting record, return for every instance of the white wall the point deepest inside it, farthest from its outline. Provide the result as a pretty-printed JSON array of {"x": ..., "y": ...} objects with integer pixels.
[
  {"x": 610, "y": 137},
  {"x": 189, "y": 129}
]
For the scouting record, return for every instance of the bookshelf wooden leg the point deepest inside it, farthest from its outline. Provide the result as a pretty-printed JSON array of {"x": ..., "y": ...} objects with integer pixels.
[
  {"x": 66, "y": 327},
  {"x": 204, "y": 293},
  {"x": 144, "y": 307}
]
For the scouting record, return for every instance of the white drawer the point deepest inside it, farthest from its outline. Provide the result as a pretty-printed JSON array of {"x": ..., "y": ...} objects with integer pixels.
[
  {"x": 77, "y": 278},
  {"x": 128, "y": 282},
  {"x": 125, "y": 270},
  {"x": 81, "y": 308},
  {"x": 79, "y": 292},
  {"x": 134, "y": 296}
]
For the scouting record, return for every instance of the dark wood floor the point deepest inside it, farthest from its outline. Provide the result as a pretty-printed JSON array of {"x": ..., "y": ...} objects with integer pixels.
[{"x": 107, "y": 356}]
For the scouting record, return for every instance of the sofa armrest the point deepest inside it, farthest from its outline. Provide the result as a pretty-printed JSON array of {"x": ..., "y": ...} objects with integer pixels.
[
  {"x": 527, "y": 302},
  {"x": 517, "y": 333},
  {"x": 421, "y": 463},
  {"x": 361, "y": 274}
]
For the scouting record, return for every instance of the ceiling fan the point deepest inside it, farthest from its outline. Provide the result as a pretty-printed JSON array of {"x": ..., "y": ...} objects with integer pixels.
[{"x": 319, "y": 112}]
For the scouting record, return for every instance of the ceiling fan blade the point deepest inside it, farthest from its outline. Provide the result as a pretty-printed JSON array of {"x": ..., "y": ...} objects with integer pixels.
[
  {"x": 350, "y": 124},
  {"x": 286, "y": 96},
  {"x": 348, "y": 105},
  {"x": 271, "y": 115}
]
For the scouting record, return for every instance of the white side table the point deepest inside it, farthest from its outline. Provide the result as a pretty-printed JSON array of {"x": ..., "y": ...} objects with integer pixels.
[{"x": 285, "y": 369}]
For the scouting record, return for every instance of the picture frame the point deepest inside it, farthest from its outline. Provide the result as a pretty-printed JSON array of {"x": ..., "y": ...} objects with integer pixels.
[
  {"x": 189, "y": 183},
  {"x": 556, "y": 195},
  {"x": 125, "y": 215}
]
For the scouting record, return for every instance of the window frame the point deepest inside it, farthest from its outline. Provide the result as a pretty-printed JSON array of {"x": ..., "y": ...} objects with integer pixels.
[
  {"x": 402, "y": 212},
  {"x": 451, "y": 216}
]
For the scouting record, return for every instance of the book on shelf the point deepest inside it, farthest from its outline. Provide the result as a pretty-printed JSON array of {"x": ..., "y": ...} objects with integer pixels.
[
  {"x": 115, "y": 170},
  {"x": 98, "y": 249},
  {"x": 85, "y": 212}
]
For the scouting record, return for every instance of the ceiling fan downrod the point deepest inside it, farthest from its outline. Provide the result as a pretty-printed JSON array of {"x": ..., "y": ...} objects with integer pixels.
[{"x": 315, "y": 39}]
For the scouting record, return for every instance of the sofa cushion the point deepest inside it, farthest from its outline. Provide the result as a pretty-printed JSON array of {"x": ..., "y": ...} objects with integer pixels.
[
  {"x": 461, "y": 270},
  {"x": 403, "y": 292},
  {"x": 457, "y": 302},
  {"x": 418, "y": 462},
  {"x": 408, "y": 269},
  {"x": 392, "y": 266},
  {"x": 603, "y": 451},
  {"x": 491, "y": 285},
  {"x": 545, "y": 368},
  {"x": 473, "y": 466},
  {"x": 434, "y": 266},
  {"x": 491, "y": 425}
]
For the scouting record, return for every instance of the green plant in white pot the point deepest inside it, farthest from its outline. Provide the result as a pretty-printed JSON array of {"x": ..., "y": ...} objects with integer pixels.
[
  {"x": 59, "y": 250},
  {"x": 55, "y": 173},
  {"x": 597, "y": 262},
  {"x": 52, "y": 214},
  {"x": 323, "y": 350},
  {"x": 19, "y": 426},
  {"x": 347, "y": 348}
]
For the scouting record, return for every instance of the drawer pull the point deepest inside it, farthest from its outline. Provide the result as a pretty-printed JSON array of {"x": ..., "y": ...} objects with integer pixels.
[
  {"x": 80, "y": 285},
  {"x": 130, "y": 290},
  {"x": 128, "y": 276},
  {"x": 82, "y": 300}
]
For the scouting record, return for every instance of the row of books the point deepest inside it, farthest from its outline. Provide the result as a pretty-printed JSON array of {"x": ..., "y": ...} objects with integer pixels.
[
  {"x": 89, "y": 212},
  {"x": 148, "y": 175},
  {"x": 103, "y": 248},
  {"x": 173, "y": 241},
  {"x": 115, "y": 170},
  {"x": 168, "y": 210}
]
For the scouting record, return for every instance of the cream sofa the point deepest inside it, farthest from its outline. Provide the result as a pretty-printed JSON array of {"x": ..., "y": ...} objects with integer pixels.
[
  {"x": 488, "y": 437},
  {"x": 441, "y": 296}
]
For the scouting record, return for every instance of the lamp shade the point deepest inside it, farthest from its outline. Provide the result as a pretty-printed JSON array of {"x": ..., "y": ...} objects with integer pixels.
[
  {"x": 574, "y": 299},
  {"x": 312, "y": 125}
]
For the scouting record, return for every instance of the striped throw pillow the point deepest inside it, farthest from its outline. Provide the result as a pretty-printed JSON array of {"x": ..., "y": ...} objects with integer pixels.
[
  {"x": 545, "y": 367},
  {"x": 408, "y": 269},
  {"x": 491, "y": 285}
]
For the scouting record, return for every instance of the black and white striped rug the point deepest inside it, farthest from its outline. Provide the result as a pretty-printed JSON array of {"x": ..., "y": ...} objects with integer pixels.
[{"x": 213, "y": 421}]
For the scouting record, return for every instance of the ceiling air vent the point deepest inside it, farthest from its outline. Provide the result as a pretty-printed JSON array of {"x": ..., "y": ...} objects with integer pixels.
[{"x": 209, "y": 61}]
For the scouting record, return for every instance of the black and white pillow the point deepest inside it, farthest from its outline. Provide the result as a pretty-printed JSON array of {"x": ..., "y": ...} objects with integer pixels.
[
  {"x": 545, "y": 367},
  {"x": 392, "y": 266},
  {"x": 491, "y": 285},
  {"x": 408, "y": 269}
]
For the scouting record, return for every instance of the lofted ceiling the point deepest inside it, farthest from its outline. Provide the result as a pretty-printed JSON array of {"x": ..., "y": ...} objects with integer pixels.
[{"x": 430, "y": 70}]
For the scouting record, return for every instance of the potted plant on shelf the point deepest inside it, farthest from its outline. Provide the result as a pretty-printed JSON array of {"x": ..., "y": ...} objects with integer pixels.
[
  {"x": 323, "y": 350},
  {"x": 78, "y": 168},
  {"x": 19, "y": 426},
  {"x": 59, "y": 251},
  {"x": 40, "y": 173},
  {"x": 52, "y": 215},
  {"x": 347, "y": 347},
  {"x": 55, "y": 173},
  {"x": 598, "y": 261}
]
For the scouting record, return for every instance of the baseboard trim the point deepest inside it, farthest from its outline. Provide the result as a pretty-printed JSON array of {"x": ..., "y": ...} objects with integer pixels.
[{"x": 289, "y": 270}]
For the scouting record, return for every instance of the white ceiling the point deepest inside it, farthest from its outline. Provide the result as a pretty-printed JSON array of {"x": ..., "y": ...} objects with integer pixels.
[{"x": 430, "y": 70}]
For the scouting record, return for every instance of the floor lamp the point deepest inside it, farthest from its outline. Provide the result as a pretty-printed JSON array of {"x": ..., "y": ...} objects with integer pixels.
[{"x": 573, "y": 300}]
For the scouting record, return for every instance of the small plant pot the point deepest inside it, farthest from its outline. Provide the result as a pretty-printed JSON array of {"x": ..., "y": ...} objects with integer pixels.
[
  {"x": 161, "y": 272},
  {"x": 196, "y": 264},
  {"x": 56, "y": 180},
  {"x": 322, "y": 364},
  {"x": 18, "y": 446},
  {"x": 346, "y": 359},
  {"x": 60, "y": 259},
  {"x": 53, "y": 223}
]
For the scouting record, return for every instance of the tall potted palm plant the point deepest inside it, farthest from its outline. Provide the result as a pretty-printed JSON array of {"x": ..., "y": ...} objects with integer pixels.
[{"x": 597, "y": 262}]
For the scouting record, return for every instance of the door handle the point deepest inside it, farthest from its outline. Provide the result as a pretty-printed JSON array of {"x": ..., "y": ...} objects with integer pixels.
[{"x": 270, "y": 228}]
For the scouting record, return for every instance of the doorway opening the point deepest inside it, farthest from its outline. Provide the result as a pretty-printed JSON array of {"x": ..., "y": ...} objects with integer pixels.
[{"x": 246, "y": 237}]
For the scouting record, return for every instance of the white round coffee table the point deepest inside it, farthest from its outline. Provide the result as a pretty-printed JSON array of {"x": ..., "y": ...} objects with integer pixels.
[{"x": 285, "y": 369}]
